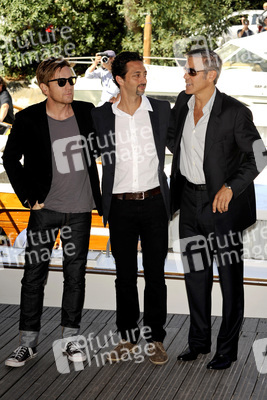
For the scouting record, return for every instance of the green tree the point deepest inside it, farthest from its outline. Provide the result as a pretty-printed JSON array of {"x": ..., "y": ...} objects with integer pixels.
[
  {"x": 31, "y": 31},
  {"x": 172, "y": 20}
]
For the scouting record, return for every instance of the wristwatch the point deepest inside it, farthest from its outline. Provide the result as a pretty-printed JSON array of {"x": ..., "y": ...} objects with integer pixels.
[{"x": 227, "y": 186}]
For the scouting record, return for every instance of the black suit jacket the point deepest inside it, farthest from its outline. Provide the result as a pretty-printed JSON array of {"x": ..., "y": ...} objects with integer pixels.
[
  {"x": 104, "y": 121},
  {"x": 30, "y": 138},
  {"x": 228, "y": 157}
]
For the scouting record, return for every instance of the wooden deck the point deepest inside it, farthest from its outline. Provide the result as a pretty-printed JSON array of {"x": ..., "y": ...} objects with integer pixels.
[{"x": 40, "y": 379}]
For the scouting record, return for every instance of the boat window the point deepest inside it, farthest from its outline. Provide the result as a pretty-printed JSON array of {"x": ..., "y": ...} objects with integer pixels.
[
  {"x": 245, "y": 58},
  {"x": 227, "y": 50},
  {"x": 254, "y": 19}
]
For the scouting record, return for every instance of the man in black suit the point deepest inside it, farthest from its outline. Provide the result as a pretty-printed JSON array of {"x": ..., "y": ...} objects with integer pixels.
[
  {"x": 58, "y": 181},
  {"x": 131, "y": 134},
  {"x": 212, "y": 137}
]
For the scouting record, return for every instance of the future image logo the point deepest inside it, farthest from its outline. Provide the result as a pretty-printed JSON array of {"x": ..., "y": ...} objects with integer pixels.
[
  {"x": 194, "y": 253},
  {"x": 68, "y": 153},
  {"x": 260, "y": 154},
  {"x": 183, "y": 45},
  {"x": 260, "y": 354}
]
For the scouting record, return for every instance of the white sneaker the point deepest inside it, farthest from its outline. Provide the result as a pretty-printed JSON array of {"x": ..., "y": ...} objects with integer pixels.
[
  {"x": 20, "y": 356},
  {"x": 74, "y": 352}
]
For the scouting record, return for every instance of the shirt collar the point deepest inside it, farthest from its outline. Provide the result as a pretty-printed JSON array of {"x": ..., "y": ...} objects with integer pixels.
[
  {"x": 144, "y": 106},
  {"x": 207, "y": 107}
]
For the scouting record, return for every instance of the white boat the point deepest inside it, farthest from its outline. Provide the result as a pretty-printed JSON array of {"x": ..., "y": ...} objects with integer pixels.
[
  {"x": 163, "y": 82},
  {"x": 244, "y": 74}
]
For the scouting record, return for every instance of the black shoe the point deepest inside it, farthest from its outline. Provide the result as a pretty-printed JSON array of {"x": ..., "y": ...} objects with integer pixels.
[
  {"x": 190, "y": 354},
  {"x": 220, "y": 361},
  {"x": 20, "y": 356},
  {"x": 74, "y": 352}
]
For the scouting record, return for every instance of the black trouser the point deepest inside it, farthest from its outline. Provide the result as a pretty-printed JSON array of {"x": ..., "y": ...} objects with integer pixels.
[
  {"x": 41, "y": 233},
  {"x": 201, "y": 243},
  {"x": 128, "y": 220}
]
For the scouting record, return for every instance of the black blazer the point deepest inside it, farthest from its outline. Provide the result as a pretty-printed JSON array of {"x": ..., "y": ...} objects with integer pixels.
[
  {"x": 228, "y": 157},
  {"x": 30, "y": 138},
  {"x": 104, "y": 121}
]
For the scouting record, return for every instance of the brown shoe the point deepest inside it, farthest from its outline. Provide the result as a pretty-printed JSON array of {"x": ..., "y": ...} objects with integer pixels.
[
  {"x": 157, "y": 353},
  {"x": 121, "y": 351}
]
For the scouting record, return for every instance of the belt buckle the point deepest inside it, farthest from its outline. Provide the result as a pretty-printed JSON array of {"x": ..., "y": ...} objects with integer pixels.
[{"x": 142, "y": 196}]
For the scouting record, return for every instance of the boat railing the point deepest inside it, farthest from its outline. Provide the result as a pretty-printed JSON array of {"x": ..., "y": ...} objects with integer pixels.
[
  {"x": 147, "y": 60},
  {"x": 7, "y": 127}
]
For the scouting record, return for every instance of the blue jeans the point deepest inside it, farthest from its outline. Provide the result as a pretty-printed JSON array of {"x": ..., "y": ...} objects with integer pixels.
[{"x": 42, "y": 231}]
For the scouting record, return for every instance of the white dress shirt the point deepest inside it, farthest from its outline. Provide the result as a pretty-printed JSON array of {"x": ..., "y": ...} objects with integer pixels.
[
  {"x": 193, "y": 142},
  {"x": 136, "y": 167}
]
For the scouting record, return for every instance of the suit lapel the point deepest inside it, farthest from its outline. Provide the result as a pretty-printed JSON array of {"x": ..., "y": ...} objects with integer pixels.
[
  {"x": 154, "y": 118},
  {"x": 179, "y": 129},
  {"x": 44, "y": 135},
  {"x": 107, "y": 134},
  {"x": 213, "y": 123},
  {"x": 83, "y": 128}
]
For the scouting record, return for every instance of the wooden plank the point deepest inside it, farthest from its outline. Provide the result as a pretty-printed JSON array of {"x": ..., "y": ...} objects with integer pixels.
[
  {"x": 62, "y": 384},
  {"x": 178, "y": 320},
  {"x": 18, "y": 380},
  {"x": 250, "y": 324},
  {"x": 260, "y": 388},
  {"x": 262, "y": 327},
  {"x": 249, "y": 378},
  {"x": 5, "y": 325},
  {"x": 164, "y": 379},
  {"x": 50, "y": 313},
  {"x": 121, "y": 385},
  {"x": 229, "y": 378},
  {"x": 173, "y": 373},
  {"x": 127, "y": 380},
  {"x": 3, "y": 307},
  {"x": 194, "y": 371},
  {"x": 12, "y": 311}
]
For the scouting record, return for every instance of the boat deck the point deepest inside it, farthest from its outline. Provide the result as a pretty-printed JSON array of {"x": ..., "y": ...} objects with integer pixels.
[{"x": 40, "y": 379}]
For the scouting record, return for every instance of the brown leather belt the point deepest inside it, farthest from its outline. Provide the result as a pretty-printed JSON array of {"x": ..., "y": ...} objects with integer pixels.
[
  {"x": 196, "y": 187},
  {"x": 137, "y": 195}
]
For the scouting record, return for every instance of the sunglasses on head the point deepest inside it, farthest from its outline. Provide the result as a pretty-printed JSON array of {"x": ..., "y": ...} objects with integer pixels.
[
  {"x": 192, "y": 71},
  {"x": 62, "y": 81}
]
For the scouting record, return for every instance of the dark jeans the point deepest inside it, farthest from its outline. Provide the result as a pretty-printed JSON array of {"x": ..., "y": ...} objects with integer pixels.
[
  {"x": 207, "y": 244},
  {"x": 129, "y": 220},
  {"x": 41, "y": 234}
]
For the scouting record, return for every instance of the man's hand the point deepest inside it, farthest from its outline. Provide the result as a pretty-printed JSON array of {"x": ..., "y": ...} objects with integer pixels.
[
  {"x": 38, "y": 206},
  {"x": 222, "y": 200},
  {"x": 115, "y": 99},
  {"x": 97, "y": 59},
  {"x": 94, "y": 63}
]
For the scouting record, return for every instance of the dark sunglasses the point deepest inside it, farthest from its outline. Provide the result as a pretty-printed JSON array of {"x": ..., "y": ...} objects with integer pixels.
[
  {"x": 192, "y": 71},
  {"x": 62, "y": 81}
]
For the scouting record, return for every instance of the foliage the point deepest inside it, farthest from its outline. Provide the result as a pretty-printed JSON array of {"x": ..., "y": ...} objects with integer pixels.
[
  {"x": 173, "y": 20},
  {"x": 31, "y": 31}
]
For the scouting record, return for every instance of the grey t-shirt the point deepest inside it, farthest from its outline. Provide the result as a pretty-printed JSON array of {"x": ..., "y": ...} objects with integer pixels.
[
  {"x": 5, "y": 98},
  {"x": 70, "y": 190}
]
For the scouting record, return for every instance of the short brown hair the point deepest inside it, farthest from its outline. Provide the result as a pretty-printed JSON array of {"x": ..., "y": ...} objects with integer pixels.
[{"x": 47, "y": 68}]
